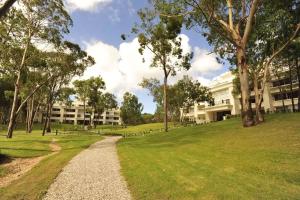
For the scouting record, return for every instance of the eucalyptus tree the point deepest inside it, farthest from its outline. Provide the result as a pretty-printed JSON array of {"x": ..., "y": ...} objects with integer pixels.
[
  {"x": 103, "y": 102},
  {"x": 276, "y": 28},
  {"x": 95, "y": 87},
  {"x": 36, "y": 21},
  {"x": 188, "y": 92},
  {"x": 81, "y": 90},
  {"x": 65, "y": 97},
  {"x": 160, "y": 35},
  {"x": 131, "y": 109},
  {"x": 227, "y": 25},
  {"x": 63, "y": 65},
  {"x": 183, "y": 94}
]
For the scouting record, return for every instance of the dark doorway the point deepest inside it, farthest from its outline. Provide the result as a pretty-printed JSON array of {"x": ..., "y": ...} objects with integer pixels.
[{"x": 221, "y": 114}]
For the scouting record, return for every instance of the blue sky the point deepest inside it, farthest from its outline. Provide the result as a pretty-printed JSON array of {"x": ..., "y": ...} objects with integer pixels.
[{"x": 98, "y": 25}]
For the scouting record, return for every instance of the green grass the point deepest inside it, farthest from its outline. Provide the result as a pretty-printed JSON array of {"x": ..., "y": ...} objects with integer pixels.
[
  {"x": 34, "y": 184},
  {"x": 137, "y": 130},
  {"x": 216, "y": 161}
]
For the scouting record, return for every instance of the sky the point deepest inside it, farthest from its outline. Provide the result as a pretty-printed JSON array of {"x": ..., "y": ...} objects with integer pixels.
[{"x": 97, "y": 28}]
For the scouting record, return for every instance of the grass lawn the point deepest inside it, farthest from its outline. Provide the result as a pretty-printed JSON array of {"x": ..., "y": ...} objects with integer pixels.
[
  {"x": 142, "y": 129},
  {"x": 216, "y": 161},
  {"x": 34, "y": 184}
]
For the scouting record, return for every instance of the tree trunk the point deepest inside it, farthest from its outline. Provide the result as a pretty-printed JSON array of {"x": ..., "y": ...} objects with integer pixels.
[
  {"x": 13, "y": 112},
  {"x": 291, "y": 87},
  {"x": 46, "y": 123},
  {"x": 282, "y": 98},
  {"x": 83, "y": 113},
  {"x": 33, "y": 116},
  {"x": 247, "y": 115},
  {"x": 49, "y": 118},
  {"x": 12, "y": 118},
  {"x": 298, "y": 75},
  {"x": 30, "y": 114},
  {"x": 258, "y": 100},
  {"x": 166, "y": 103}
]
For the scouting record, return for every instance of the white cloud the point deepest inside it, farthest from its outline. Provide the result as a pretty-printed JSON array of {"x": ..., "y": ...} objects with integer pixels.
[
  {"x": 114, "y": 16},
  {"x": 204, "y": 63},
  {"x": 123, "y": 69},
  {"x": 86, "y": 5}
]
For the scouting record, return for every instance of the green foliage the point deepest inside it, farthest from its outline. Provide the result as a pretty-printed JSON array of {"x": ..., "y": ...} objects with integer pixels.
[
  {"x": 131, "y": 109},
  {"x": 183, "y": 94},
  {"x": 187, "y": 92},
  {"x": 160, "y": 36}
]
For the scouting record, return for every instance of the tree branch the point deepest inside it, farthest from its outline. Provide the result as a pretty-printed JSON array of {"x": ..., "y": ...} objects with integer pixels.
[
  {"x": 250, "y": 20},
  {"x": 30, "y": 95},
  {"x": 5, "y": 8}
]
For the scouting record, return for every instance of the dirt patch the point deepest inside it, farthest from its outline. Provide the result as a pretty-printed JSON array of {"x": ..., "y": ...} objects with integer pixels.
[
  {"x": 54, "y": 146},
  {"x": 17, "y": 167}
]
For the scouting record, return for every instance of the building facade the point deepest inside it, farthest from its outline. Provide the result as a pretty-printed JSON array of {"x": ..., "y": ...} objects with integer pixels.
[
  {"x": 277, "y": 96},
  {"x": 75, "y": 115}
]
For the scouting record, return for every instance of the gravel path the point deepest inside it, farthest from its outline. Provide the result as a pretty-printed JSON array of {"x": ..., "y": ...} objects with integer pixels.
[{"x": 92, "y": 174}]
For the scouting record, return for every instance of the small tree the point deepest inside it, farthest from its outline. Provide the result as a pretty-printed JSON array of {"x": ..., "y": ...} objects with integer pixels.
[
  {"x": 65, "y": 95},
  {"x": 131, "y": 109},
  {"x": 95, "y": 85},
  {"x": 188, "y": 92},
  {"x": 81, "y": 88}
]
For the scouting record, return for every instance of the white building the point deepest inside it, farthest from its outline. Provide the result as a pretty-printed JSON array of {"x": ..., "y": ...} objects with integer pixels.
[
  {"x": 75, "y": 115},
  {"x": 225, "y": 103}
]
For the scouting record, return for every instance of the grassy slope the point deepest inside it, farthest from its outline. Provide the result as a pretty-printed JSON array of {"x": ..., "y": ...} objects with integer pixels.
[
  {"x": 216, "y": 161},
  {"x": 35, "y": 183},
  {"x": 136, "y": 130}
]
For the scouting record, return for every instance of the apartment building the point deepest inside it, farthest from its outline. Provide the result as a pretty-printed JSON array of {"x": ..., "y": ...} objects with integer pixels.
[
  {"x": 276, "y": 97},
  {"x": 75, "y": 115}
]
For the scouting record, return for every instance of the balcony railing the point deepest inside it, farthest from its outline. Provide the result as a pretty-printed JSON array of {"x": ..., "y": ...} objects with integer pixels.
[{"x": 221, "y": 102}]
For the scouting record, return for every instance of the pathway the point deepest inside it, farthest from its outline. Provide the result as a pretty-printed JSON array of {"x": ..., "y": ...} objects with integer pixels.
[{"x": 92, "y": 174}]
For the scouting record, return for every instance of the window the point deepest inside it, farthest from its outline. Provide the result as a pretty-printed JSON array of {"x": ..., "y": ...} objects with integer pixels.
[
  {"x": 201, "y": 107},
  {"x": 55, "y": 115},
  {"x": 285, "y": 95},
  {"x": 56, "y": 109},
  {"x": 201, "y": 117},
  {"x": 69, "y": 115},
  {"x": 116, "y": 118},
  {"x": 70, "y": 110}
]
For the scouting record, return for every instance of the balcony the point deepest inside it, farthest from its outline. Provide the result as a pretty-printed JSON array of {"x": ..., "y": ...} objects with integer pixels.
[{"x": 220, "y": 105}]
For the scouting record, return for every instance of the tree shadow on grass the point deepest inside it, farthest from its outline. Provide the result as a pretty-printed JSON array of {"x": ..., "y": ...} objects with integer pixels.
[{"x": 5, "y": 159}]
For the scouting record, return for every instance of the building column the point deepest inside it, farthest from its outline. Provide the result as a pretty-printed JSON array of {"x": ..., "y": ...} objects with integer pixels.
[
  {"x": 268, "y": 99},
  {"x": 76, "y": 116},
  {"x": 62, "y": 112},
  {"x": 104, "y": 117}
]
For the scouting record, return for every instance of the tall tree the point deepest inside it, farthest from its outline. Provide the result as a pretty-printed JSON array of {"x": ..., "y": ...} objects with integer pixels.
[
  {"x": 276, "y": 28},
  {"x": 227, "y": 24},
  {"x": 63, "y": 65},
  {"x": 37, "y": 20},
  {"x": 160, "y": 35},
  {"x": 131, "y": 109}
]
